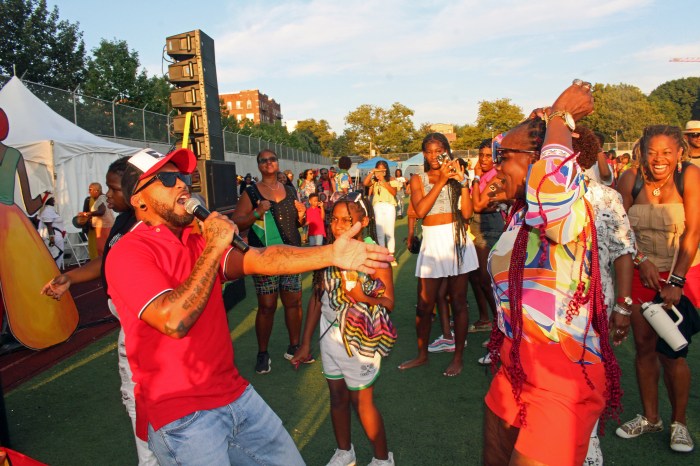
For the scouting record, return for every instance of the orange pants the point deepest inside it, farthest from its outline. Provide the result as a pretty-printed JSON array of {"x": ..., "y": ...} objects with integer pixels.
[{"x": 561, "y": 408}]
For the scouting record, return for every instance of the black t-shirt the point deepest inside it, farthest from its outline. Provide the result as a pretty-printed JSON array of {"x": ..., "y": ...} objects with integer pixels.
[{"x": 122, "y": 225}]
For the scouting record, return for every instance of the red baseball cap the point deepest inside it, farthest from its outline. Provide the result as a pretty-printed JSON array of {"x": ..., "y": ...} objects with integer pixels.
[{"x": 149, "y": 161}]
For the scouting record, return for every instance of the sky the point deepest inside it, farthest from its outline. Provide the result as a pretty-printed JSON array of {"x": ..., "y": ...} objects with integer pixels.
[{"x": 322, "y": 59}]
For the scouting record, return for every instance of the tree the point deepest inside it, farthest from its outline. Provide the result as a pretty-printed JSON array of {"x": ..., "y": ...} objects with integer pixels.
[
  {"x": 113, "y": 72},
  {"x": 341, "y": 146},
  {"x": 365, "y": 124},
  {"x": 679, "y": 100},
  {"x": 399, "y": 132},
  {"x": 41, "y": 47},
  {"x": 385, "y": 130},
  {"x": 322, "y": 133},
  {"x": 469, "y": 137},
  {"x": 621, "y": 112},
  {"x": 497, "y": 116}
]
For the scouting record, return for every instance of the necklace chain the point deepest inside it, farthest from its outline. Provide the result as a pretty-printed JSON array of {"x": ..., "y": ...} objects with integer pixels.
[
  {"x": 277, "y": 185},
  {"x": 657, "y": 189}
]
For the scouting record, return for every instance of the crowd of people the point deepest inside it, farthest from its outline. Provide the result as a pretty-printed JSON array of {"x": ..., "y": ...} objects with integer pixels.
[{"x": 561, "y": 242}]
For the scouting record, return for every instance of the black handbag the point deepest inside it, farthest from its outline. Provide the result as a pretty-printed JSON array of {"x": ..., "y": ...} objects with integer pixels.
[{"x": 415, "y": 245}]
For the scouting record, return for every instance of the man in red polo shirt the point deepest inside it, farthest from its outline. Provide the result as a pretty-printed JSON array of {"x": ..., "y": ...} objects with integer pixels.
[{"x": 192, "y": 405}]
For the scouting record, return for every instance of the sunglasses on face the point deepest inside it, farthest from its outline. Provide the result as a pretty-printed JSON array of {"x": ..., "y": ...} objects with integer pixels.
[
  {"x": 693, "y": 135},
  {"x": 497, "y": 152},
  {"x": 169, "y": 179},
  {"x": 272, "y": 159}
]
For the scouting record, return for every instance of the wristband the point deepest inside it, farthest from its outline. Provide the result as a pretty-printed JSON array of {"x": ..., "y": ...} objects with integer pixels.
[
  {"x": 621, "y": 310},
  {"x": 638, "y": 259},
  {"x": 465, "y": 181},
  {"x": 675, "y": 280},
  {"x": 256, "y": 214}
]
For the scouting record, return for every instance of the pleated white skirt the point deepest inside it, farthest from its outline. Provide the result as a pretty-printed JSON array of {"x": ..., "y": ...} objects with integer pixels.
[{"x": 438, "y": 257}]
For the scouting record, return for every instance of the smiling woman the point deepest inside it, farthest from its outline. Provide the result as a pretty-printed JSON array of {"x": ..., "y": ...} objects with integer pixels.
[
  {"x": 661, "y": 198},
  {"x": 552, "y": 329}
]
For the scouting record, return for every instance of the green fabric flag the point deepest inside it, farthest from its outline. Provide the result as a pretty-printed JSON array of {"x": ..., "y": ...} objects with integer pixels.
[{"x": 266, "y": 230}]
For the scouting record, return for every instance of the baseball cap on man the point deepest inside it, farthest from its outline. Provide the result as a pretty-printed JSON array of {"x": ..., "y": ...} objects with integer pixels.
[
  {"x": 693, "y": 126},
  {"x": 149, "y": 161}
]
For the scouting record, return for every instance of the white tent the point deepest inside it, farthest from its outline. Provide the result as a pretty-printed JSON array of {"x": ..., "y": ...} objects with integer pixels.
[
  {"x": 60, "y": 157},
  {"x": 412, "y": 165}
]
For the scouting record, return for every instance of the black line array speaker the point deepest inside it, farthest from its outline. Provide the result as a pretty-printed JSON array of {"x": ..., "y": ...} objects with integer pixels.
[{"x": 196, "y": 89}]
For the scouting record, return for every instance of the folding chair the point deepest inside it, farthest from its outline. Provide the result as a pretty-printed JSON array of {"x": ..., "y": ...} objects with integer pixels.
[{"x": 78, "y": 248}]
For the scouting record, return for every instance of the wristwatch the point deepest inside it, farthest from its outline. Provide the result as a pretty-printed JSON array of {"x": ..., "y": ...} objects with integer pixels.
[
  {"x": 564, "y": 115},
  {"x": 626, "y": 300}
]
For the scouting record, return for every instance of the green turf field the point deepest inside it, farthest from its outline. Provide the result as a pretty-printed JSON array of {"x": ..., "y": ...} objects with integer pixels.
[{"x": 73, "y": 415}]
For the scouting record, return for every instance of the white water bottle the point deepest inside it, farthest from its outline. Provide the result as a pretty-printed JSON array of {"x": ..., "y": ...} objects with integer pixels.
[{"x": 664, "y": 325}]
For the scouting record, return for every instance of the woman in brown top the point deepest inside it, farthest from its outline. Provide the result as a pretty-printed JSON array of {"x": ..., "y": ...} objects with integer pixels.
[{"x": 661, "y": 199}]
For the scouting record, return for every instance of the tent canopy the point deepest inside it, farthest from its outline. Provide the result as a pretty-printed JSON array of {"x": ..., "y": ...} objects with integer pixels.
[
  {"x": 368, "y": 165},
  {"x": 371, "y": 163},
  {"x": 60, "y": 157},
  {"x": 412, "y": 165}
]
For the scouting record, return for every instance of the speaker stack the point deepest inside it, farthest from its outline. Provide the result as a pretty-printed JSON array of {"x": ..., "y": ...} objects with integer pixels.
[{"x": 196, "y": 90}]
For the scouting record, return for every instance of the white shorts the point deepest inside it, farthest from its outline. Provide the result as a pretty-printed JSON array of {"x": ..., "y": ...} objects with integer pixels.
[
  {"x": 437, "y": 257},
  {"x": 358, "y": 371}
]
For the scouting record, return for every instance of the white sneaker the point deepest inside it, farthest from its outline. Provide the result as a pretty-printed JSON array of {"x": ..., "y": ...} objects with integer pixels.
[
  {"x": 343, "y": 457},
  {"x": 485, "y": 361},
  {"x": 594, "y": 457},
  {"x": 442, "y": 345},
  {"x": 387, "y": 462},
  {"x": 680, "y": 438},
  {"x": 485, "y": 344},
  {"x": 638, "y": 426}
]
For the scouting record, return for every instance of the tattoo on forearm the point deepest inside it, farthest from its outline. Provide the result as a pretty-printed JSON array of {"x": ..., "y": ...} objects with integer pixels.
[{"x": 194, "y": 292}]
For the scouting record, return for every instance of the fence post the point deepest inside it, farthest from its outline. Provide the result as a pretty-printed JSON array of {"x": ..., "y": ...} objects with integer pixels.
[
  {"x": 75, "y": 106},
  {"x": 223, "y": 136},
  {"x": 114, "y": 118},
  {"x": 143, "y": 118}
]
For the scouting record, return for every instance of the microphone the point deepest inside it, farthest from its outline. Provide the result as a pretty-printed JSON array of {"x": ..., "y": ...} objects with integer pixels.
[{"x": 194, "y": 207}]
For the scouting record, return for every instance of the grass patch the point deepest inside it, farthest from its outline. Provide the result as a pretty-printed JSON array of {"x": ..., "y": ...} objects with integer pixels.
[{"x": 73, "y": 415}]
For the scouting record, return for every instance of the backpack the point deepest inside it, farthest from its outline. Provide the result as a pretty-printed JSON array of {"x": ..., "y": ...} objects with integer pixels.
[{"x": 677, "y": 180}]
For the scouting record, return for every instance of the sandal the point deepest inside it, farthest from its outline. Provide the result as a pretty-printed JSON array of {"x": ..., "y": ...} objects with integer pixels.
[{"x": 479, "y": 326}]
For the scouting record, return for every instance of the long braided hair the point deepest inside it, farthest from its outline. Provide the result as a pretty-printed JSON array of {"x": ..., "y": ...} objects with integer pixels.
[
  {"x": 459, "y": 228},
  {"x": 597, "y": 317}
]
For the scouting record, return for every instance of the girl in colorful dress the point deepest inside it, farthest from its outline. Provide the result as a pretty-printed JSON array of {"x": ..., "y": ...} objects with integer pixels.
[{"x": 356, "y": 332}]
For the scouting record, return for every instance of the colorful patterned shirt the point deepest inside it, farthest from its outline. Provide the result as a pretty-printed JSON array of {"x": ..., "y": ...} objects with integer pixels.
[
  {"x": 615, "y": 236},
  {"x": 552, "y": 269}
]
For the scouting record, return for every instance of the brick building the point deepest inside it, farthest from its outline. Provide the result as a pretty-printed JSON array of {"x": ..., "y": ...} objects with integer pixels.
[
  {"x": 446, "y": 129},
  {"x": 252, "y": 105}
]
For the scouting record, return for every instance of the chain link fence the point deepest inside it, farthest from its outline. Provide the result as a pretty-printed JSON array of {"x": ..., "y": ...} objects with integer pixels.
[{"x": 113, "y": 120}]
